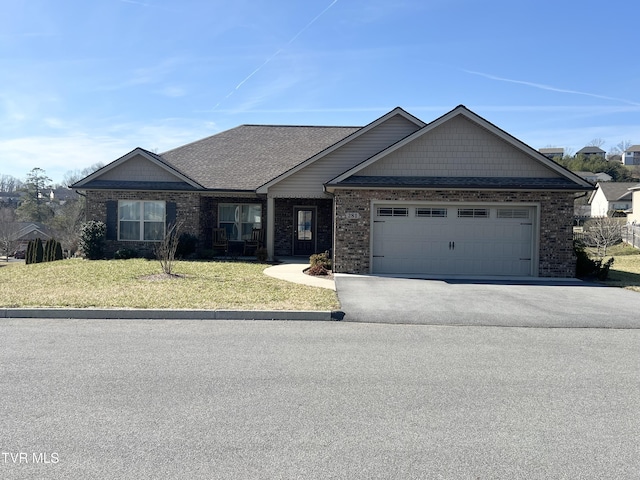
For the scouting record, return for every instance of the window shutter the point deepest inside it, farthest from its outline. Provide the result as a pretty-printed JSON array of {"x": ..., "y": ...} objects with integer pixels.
[
  {"x": 171, "y": 213},
  {"x": 112, "y": 220}
]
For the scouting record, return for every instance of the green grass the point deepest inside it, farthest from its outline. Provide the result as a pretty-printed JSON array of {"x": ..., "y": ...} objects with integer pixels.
[
  {"x": 138, "y": 283},
  {"x": 625, "y": 271}
]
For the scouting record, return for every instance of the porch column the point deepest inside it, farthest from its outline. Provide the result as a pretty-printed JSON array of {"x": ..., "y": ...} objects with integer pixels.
[{"x": 271, "y": 226}]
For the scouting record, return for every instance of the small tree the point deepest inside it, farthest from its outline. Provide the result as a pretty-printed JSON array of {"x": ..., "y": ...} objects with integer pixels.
[
  {"x": 8, "y": 230},
  {"x": 165, "y": 250},
  {"x": 92, "y": 237},
  {"x": 602, "y": 233},
  {"x": 35, "y": 251}
]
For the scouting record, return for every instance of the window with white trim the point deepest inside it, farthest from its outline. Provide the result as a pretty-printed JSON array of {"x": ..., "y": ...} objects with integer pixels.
[
  {"x": 239, "y": 219},
  {"x": 141, "y": 221}
]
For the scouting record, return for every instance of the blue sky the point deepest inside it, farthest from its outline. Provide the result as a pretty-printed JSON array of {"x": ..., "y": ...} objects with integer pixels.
[{"x": 87, "y": 81}]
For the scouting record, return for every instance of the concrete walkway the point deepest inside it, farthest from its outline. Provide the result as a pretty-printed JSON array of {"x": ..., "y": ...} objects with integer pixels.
[{"x": 292, "y": 270}]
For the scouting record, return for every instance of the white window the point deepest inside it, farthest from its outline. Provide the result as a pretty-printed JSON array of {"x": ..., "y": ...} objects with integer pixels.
[
  {"x": 239, "y": 219},
  {"x": 141, "y": 220}
]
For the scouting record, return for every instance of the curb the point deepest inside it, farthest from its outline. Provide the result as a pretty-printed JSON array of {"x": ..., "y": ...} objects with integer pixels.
[{"x": 106, "y": 314}]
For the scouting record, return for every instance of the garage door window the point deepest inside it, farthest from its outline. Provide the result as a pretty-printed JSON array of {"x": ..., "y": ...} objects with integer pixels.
[
  {"x": 431, "y": 212},
  {"x": 473, "y": 213},
  {"x": 522, "y": 213},
  {"x": 393, "y": 212}
]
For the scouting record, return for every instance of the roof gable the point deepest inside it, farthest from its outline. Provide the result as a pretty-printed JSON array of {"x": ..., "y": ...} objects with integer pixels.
[
  {"x": 614, "y": 191},
  {"x": 138, "y": 169},
  {"x": 371, "y": 138},
  {"x": 461, "y": 144}
]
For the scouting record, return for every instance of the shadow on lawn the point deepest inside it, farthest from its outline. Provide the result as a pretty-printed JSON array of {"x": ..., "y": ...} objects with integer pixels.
[{"x": 619, "y": 278}]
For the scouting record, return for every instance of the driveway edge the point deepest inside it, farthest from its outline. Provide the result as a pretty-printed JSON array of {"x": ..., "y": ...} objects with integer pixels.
[{"x": 100, "y": 313}]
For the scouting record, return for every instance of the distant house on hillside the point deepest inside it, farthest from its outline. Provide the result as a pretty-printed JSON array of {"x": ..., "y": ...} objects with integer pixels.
[
  {"x": 595, "y": 177},
  {"x": 592, "y": 151},
  {"x": 631, "y": 156},
  {"x": 552, "y": 153}
]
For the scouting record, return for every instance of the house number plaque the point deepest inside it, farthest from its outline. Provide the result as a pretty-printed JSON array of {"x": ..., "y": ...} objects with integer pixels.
[{"x": 352, "y": 215}]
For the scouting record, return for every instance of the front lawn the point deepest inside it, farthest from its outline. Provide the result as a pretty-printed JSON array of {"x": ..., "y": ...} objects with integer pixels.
[
  {"x": 139, "y": 283},
  {"x": 625, "y": 271}
]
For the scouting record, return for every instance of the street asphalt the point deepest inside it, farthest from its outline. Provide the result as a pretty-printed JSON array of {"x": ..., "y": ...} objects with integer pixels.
[{"x": 135, "y": 399}]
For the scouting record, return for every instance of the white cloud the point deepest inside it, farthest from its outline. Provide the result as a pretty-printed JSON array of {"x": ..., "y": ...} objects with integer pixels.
[{"x": 76, "y": 150}]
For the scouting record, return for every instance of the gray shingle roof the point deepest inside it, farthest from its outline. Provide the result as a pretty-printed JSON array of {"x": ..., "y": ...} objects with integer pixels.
[
  {"x": 592, "y": 150},
  {"x": 616, "y": 190},
  {"x": 248, "y": 156},
  {"x": 462, "y": 182}
]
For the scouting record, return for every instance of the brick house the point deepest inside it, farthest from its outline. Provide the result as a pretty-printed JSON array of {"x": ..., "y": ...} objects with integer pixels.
[{"x": 456, "y": 196}]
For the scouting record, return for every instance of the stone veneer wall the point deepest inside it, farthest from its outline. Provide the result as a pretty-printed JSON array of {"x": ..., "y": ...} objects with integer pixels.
[
  {"x": 352, "y": 236},
  {"x": 187, "y": 209},
  {"x": 285, "y": 227}
]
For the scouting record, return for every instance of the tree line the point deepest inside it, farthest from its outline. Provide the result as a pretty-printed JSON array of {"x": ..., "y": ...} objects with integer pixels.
[{"x": 61, "y": 217}]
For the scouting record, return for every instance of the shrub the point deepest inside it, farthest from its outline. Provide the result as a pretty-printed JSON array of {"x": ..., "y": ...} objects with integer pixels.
[
  {"x": 321, "y": 259},
  {"x": 317, "y": 269},
  {"x": 262, "y": 254},
  {"x": 125, "y": 254},
  {"x": 35, "y": 251},
  {"x": 603, "y": 270},
  {"x": 585, "y": 267},
  {"x": 92, "y": 237},
  {"x": 186, "y": 245},
  {"x": 52, "y": 250}
]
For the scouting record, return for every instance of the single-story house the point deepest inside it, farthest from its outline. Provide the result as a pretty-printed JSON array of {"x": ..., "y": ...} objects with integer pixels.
[
  {"x": 595, "y": 177},
  {"x": 611, "y": 199},
  {"x": 20, "y": 233},
  {"x": 456, "y": 196},
  {"x": 592, "y": 151},
  {"x": 552, "y": 152}
]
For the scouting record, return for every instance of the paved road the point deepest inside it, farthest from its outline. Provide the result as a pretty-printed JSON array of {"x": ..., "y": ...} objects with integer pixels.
[
  {"x": 448, "y": 302},
  {"x": 316, "y": 400}
]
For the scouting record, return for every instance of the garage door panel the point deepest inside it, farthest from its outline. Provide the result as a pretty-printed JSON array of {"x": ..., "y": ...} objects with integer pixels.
[{"x": 484, "y": 245}]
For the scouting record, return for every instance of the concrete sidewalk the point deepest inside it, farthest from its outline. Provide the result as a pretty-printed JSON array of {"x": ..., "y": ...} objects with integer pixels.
[{"x": 290, "y": 269}]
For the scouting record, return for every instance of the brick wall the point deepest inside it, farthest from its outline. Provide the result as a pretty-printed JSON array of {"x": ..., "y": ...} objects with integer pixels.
[
  {"x": 187, "y": 209},
  {"x": 352, "y": 235},
  {"x": 285, "y": 227}
]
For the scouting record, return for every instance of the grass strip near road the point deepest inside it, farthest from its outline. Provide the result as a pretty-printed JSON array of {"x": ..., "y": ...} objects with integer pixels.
[{"x": 138, "y": 283}]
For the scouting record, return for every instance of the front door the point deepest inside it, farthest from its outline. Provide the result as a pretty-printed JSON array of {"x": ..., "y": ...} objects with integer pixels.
[{"x": 304, "y": 236}]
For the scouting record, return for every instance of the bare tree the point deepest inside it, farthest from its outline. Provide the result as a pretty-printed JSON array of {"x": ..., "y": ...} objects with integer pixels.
[
  {"x": 9, "y": 184},
  {"x": 165, "y": 250},
  {"x": 596, "y": 142},
  {"x": 602, "y": 233},
  {"x": 8, "y": 230},
  {"x": 73, "y": 176}
]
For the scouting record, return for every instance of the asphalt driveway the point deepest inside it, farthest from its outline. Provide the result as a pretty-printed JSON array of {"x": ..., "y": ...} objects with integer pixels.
[{"x": 536, "y": 303}]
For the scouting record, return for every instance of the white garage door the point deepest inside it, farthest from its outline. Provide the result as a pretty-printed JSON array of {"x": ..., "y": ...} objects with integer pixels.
[{"x": 453, "y": 240}]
